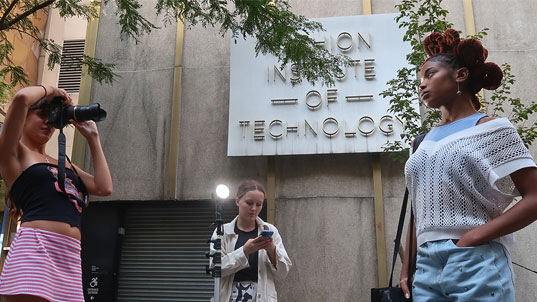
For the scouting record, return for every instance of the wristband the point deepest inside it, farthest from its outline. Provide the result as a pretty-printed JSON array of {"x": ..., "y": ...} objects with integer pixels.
[{"x": 45, "y": 90}]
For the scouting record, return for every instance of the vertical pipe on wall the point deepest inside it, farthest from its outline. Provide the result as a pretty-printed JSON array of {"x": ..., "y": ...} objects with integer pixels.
[
  {"x": 379, "y": 200},
  {"x": 171, "y": 181},
  {"x": 366, "y": 7},
  {"x": 79, "y": 143},
  {"x": 271, "y": 182},
  {"x": 41, "y": 61},
  {"x": 469, "y": 21},
  {"x": 271, "y": 189},
  {"x": 379, "y": 222}
]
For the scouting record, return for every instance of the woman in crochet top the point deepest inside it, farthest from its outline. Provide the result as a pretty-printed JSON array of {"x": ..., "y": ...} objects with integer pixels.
[{"x": 462, "y": 178}]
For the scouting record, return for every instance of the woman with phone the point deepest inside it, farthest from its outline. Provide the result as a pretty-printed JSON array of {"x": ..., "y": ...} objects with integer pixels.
[
  {"x": 43, "y": 263},
  {"x": 253, "y": 255}
]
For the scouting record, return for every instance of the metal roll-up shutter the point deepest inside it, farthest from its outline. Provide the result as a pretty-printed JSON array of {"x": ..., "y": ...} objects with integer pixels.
[{"x": 163, "y": 251}]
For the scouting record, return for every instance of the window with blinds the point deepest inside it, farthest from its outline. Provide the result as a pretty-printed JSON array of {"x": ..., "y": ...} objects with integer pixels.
[{"x": 70, "y": 68}]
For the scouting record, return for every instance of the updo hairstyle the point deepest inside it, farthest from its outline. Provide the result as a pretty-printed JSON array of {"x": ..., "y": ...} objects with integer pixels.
[
  {"x": 247, "y": 186},
  {"x": 470, "y": 53}
]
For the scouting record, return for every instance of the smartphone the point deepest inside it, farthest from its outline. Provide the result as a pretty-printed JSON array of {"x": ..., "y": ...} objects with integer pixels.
[{"x": 266, "y": 233}]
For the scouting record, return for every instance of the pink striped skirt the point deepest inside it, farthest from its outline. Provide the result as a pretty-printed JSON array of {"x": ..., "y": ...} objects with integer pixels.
[{"x": 43, "y": 264}]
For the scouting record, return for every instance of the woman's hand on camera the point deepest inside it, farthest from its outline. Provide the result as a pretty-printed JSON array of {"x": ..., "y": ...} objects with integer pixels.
[
  {"x": 88, "y": 128},
  {"x": 53, "y": 92},
  {"x": 255, "y": 244}
]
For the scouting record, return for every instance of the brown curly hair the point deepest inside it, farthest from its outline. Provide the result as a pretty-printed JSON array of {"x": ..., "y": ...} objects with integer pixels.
[{"x": 449, "y": 49}]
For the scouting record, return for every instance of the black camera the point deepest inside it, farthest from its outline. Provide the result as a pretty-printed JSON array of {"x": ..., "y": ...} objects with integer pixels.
[{"x": 60, "y": 114}]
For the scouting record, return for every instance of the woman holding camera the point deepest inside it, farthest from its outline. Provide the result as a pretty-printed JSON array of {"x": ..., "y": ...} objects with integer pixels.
[
  {"x": 250, "y": 261},
  {"x": 44, "y": 263}
]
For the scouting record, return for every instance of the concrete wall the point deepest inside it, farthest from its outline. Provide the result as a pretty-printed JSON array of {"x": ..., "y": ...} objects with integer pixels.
[
  {"x": 324, "y": 204},
  {"x": 513, "y": 39},
  {"x": 203, "y": 120},
  {"x": 136, "y": 131}
]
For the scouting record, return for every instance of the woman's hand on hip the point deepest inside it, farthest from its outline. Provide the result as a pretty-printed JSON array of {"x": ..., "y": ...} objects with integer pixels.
[{"x": 403, "y": 284}]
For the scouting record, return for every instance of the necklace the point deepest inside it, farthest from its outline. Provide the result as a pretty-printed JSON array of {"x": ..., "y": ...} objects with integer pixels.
[{"x": 46, "y": 158}]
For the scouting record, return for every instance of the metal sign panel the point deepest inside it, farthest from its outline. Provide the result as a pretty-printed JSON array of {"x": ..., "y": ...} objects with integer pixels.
[{"x": 270, "y": 116}]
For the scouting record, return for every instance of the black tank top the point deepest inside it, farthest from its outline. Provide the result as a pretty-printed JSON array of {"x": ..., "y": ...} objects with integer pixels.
[
  {"x": 249, "y": 273},
  {"x": 37, "y": 193}
]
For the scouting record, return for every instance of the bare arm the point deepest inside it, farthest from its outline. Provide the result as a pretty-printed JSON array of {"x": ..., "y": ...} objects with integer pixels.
[
  {"x": 100, "y": 183},
  {"x": 14, "y": 125},
  {"x": 519, "y": 216},
  {"x": 15, "y": 117},
  {"x": 403, "y": 283}
]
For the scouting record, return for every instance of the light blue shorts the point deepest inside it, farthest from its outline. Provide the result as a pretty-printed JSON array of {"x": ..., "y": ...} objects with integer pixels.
[{"x": 445, "y": 272}]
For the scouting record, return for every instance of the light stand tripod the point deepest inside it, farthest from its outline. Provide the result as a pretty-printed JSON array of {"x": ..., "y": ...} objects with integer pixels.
[{"x": 216, "y": 271}]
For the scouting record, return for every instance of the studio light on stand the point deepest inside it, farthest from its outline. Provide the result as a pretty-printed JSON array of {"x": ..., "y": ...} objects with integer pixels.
[{"x": 222, "y": 192}]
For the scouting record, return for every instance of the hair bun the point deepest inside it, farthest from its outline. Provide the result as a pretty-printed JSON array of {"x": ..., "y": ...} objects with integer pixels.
[
  {"x": 432, "y": 44},
  {"x": 451, "y": 41},
  {"x": 488, "y": 76},
  {"x": 472, "y": 52},
  {"x": 468, "y": 53},
  {"x": 437, "y": 43}
]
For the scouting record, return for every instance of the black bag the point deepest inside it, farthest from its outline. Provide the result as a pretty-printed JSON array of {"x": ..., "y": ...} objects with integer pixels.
[{"x": 390, "y": 293}]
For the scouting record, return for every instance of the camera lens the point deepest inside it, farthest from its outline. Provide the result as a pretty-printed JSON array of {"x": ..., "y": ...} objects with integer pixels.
[
  {"x": 60, "y": 115},
  {"x": 86, "y": 113}
]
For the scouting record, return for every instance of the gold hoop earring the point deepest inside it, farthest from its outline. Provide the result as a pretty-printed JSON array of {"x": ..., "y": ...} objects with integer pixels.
[{"x": 459, "y": 92}]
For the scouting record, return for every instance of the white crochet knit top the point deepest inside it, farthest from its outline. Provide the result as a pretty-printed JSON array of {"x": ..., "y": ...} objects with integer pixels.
[{"x": 462, "y": 181}]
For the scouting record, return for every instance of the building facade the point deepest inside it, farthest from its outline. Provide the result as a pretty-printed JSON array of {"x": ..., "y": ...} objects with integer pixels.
[{"x": 165, "y": 139}]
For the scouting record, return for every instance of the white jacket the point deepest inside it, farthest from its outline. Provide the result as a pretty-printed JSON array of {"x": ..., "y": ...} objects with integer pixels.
[{"x": 235, "y": 260}]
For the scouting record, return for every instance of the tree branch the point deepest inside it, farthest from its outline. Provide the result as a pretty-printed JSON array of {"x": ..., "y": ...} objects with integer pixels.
[
  {"x": 8, "y": 10},
  {"x": 26, "y": 14},
  {"x": 24, "y": 32}
]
